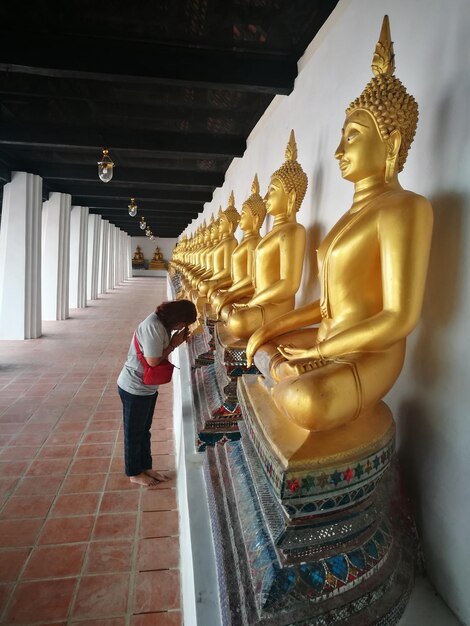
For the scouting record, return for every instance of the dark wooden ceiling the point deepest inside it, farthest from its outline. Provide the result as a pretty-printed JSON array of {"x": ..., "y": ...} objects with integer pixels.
[{"x": 172, "y": 88}]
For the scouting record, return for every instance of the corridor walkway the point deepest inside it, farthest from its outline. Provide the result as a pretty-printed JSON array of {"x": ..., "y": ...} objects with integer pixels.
[{"x": 78, "y": 543}]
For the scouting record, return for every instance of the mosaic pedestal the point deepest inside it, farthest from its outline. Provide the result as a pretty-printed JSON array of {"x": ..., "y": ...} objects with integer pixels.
[
  {"x": 312, "y": 532},
  {"x": 198, "y": 345},
  {"x": 211, "y": 425},
  {"x": 230, "y": 364}
]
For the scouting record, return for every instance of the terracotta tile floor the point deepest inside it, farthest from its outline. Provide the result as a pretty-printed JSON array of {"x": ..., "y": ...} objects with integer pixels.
[{"x": 78, "y": 543}]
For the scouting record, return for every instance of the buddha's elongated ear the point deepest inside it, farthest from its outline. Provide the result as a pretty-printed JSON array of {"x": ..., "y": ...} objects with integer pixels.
[
  {"x": 393, "y": 148},
  {"x": 291, "y": 197}
]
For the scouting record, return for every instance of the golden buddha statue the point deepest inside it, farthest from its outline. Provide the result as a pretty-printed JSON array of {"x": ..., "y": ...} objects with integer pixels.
[
  {"x": 211, "y": 240},
  {"x": 222, "y": 253},
  {"x": 372, "y": 270},
  {"x": 157, "y": 261},
  {"x": 138, "y": 258},
  {"x": 192, "y": 261},
  {"x": 278, "y": 258},
  {"x": 251, "y": 218}
]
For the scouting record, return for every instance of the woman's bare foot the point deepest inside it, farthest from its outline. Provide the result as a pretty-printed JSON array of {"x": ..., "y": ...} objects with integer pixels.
[
  {"x": 157, "y": 475},
  {"x": 144, "y": 479}
]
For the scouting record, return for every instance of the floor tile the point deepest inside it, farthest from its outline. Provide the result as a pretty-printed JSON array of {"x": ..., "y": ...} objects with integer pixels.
[
  {"x": 120, "y": 526},
  {"x": 95, "y": 450},
  {"x": 75, "y": 504},
  {"x": 159, "y": 500},
  {"x": 119, "y": 501},
  {"x": 81, "y": 483},
  {"x": 41, "y": 600},
  {"x": 90, "y": 466},
  {"x": 55, "y": 561},
  {"x": 109, "y": 556},
  {"x": 48, "y": 467},
  {"x": 102, "y": 596},
  {"x": 27, "y": 506},
  {"x": 165, "y": 618},
  {"x": 21, "y": 532},
  {"x": 38, "y": 485},
  {"x": 111, "y": 621},
  {"x": 158, "y": 553},
  {"x": 11, "y": 562},
  {"x": 159, "y": 524},
  {"x": 67, "y": 529},
  {"x": 157, "y": 591},
  {"x": 12, "y": 468}
]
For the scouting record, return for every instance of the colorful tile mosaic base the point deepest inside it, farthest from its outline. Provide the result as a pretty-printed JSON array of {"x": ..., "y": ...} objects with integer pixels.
[
  {"x": 216, "y": 420},
  {"x": 366, "y": 577},
  {"x": 309, "y": 491}
]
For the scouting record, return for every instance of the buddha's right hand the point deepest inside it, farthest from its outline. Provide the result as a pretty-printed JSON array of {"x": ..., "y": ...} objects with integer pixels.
[{"x": 301, "y": 356}]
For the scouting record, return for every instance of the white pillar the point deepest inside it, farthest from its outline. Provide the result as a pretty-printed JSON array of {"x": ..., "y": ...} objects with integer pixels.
[
  {"x": 129, "y": 256},
  {"x": 110, "y": 277},
  {"x": 103, "y": 274},
  {"x": 123, "y": 255},
  {"x": 93, "y": 256},
  {"x": 78, "y": 256},
  {"x": 20, "y": 257},
  {"x": 55, "y": 256}
]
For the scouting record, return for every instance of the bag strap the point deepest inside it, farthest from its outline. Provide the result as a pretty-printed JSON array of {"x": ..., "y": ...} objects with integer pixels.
[
  {"x": 139, "y": 352},
  {"x": 141, "y": 356}
]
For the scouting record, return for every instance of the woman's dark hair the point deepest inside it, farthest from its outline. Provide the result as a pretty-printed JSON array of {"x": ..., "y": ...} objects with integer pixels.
[{"x": 175, "y": 312}]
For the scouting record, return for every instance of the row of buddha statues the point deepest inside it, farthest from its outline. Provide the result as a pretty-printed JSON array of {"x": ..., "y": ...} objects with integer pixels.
[
  {"x": 156, "y": 263},
  {"x": 335, "y": 358}
]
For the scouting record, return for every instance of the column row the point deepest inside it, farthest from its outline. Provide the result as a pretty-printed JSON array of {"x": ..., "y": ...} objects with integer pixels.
[{"x": 53, "y": 256}]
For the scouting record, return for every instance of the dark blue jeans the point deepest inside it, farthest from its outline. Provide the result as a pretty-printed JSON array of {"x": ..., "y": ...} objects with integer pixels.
[{"x": 137, "y": 419}]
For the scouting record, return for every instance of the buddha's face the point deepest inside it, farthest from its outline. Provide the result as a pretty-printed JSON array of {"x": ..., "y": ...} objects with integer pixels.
[
  {"x": 246, "y": 219},
  {"x": 362, "y": 151},
  {"x": 224, "y": 226},
  {"x": 276, "y": 198}
]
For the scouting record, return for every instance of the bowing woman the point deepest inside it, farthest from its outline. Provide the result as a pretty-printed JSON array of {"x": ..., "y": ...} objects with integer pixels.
[{"x": 157, "y": 336}]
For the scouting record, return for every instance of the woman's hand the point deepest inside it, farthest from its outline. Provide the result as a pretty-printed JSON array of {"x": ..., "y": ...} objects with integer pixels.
[{"x": 179, "y": 337}]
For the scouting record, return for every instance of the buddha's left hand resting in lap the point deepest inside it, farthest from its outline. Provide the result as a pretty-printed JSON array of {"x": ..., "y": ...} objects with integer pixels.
[{"x": 372, "y": 271}]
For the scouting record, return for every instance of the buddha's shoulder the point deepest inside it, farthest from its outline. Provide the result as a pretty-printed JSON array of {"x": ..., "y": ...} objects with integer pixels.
[{"x": 404, "y": 200}]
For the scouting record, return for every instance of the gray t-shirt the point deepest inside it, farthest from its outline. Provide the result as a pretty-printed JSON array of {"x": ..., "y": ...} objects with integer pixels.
[{"x": 152, "y": 338}]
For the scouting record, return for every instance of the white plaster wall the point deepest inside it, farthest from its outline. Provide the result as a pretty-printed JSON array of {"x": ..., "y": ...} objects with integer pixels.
[
  {"x": 431, "y": 399},
  {"x": 166, "y": 245}
]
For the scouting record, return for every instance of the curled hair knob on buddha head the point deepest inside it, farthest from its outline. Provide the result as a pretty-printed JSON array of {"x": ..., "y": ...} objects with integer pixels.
[
  {"x": 231, "y": 213},
  {"x": 291, "y": 174},
  {"x": 387, "y": 100},
  {"x": 255, "y": 203}
]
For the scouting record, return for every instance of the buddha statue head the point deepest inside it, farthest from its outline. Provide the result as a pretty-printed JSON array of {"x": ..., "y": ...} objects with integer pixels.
[
  {"x": 288, "y": 184},
  {"x": 382, "y": 120},
  {"x": 253, "y": 210},
  {"x": 214, "y": 229},
  {"x": 228, "y": 219}
]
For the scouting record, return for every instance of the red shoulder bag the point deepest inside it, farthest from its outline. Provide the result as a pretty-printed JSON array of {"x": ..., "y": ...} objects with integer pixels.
[{"x": 157, "y": 374}]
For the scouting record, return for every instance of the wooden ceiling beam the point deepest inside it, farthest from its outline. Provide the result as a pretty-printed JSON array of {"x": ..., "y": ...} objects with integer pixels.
[
  {"x": 152, "y": 63},
  {"x": 132, "y": 141}
]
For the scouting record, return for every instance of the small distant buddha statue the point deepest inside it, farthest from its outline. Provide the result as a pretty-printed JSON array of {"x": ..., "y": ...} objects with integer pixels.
[
  {"x": 372, "y": 270},
  {"x": 279, "y": 256},
  {"x": 222, "y": 253},
  {"x": 251, "y": 218},
  {"x": 138, "y": 258},
  {"x": 157, "y": 262}
]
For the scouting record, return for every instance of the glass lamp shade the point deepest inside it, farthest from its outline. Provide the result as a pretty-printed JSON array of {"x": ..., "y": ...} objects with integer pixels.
[
  {"x": 105, "y": 167},
  {"x": 132, "y": 208},
  {"x": 143, "y": 223},
  {"x": 148, "y": 232}
]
